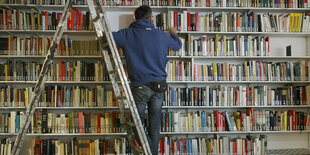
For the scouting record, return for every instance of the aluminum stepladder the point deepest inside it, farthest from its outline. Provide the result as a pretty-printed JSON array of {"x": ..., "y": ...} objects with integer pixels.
[{"x": 115, "y": 71}]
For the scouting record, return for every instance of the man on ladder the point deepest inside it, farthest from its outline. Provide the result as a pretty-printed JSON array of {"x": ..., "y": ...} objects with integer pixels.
[{"x": 145, "y": 49}]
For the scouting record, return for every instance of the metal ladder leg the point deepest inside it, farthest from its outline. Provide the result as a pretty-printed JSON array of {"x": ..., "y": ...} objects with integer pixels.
[
  {"x": 100, "y": 23},
  {"x": 40, "y": 83}
]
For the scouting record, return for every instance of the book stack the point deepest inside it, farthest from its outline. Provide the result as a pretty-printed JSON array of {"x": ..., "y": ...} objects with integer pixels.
[
  {"x": 38, "y": 46},
  {"x": 28, "y": 70},
  {"x": 237, "y": 96},
  {"x": 216, "y": 145},
  {"x": 181, "y": 3},
  {"x": 216, "y": 46},
  {"x": 232, "y": 22},
  {"x": 80, "y": 146},
  {"x": 75, "y": 122},
  {"x": 241, "y": 120},
  {"x": 6, "y": 146},
  {"x": 255, "y": 70},
  {"x": 11, "y": 19}
]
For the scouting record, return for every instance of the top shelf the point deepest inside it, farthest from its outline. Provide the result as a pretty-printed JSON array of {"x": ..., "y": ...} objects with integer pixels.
[{"x": 158, "y": 8}]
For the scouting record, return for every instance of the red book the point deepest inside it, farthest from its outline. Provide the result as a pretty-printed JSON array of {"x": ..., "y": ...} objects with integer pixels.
[
  {"x": 235, "y": 147},
  {"x": 81, "y": 122},
  {"x": 218, "y": 119},
  {"x": 294, "y": 119},
  {"x": 9, "y": 18},
  {"x": 58, "y": 17},
  {"x": 161, "y": 146},
  {"x": 175, "y": 20},
  {"x": 208, "y": 3},
  {"x": 99, "y": 123},
  {"x": 78, "y": 17},
  {"x": 223, "y": 121},
  {"x": 71, "y": 21},
  {"x": 246, "y": 146},
  {"x": 188, "y": 21},
  {"x": 196, "y": 21},
  {"x": 37, "y": 147},
  {"x": 105, "y": 146}
]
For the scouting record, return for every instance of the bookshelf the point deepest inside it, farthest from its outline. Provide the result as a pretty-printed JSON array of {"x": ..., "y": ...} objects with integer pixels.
[{"x": 120, "y": 17}]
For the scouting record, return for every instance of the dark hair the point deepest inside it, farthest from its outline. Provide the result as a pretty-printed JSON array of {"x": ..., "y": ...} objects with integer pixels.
[{"x": 143, "y": 12}]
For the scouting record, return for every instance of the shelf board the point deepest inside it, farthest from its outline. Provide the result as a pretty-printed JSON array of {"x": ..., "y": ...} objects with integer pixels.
[
  {"x": 56, "y": 82},
  {"x": 162, "y": 133},
  {"x": 50, "y": 32},
  {"x": 233, "y": 132},
  {"x": 77, "y": 134},
  {"x": 76, "y": 108},
  {"x": 282, "y": 34},
  {"x": 169, "y": 57},
  {"x": 238, "y": 82},
  {"x": 235, "y": 107},
  {"x": 88, "y": 32},
  {"x": 43, "y": 57},
  {"x": 115, "y": 8}
]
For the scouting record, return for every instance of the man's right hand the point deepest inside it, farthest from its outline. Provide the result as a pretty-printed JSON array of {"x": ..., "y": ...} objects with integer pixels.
[{"x": 173, "y": 31}]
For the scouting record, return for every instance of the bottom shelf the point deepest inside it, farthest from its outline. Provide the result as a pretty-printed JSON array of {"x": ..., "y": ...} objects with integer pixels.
[{"x": 302, "y": 151}]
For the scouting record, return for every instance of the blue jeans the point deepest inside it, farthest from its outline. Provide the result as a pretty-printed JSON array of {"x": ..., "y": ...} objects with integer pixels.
[{"x": 143, "y": 96}]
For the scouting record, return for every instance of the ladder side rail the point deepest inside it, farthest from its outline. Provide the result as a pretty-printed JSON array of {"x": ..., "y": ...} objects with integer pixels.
[{"x": 40, "y": 83}]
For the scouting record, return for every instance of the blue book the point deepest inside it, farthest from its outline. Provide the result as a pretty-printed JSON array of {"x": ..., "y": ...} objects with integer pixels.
[
  {"x": 17, "y": 122},
  {"x": 203, "y": 124},
  {"x": 68, "y": 91},
  {"x": 245, "y": 46},
  {"x": 228, "y": 121}
]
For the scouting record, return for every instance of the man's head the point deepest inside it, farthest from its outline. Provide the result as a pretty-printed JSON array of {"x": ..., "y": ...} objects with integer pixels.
[{"x": 143, "y": 12}]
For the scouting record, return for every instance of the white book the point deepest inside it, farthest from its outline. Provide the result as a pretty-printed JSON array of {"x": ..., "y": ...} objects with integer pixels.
[
  {"x": 13, "y": 116},
  {"x": 176, "y": 121},
  {"x": 185, "y": 20}
]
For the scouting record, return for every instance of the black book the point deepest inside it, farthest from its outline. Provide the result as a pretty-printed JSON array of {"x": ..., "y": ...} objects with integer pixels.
[
  {"x": 87, "y": 21},
  {"x": 44, "y": 121},
  {"x": 44, "y": 147}
]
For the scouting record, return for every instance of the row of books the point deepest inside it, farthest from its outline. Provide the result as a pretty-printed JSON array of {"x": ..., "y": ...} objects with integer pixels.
[
  {"x": 181, "y": 3},
  {"x": 40, "y": 45},
  {"x": 248, "y": 71},
  {"x": 232, "y": 21},
  {"x": 58, "y": 96},
  {"x": 247, "y": 120},
  {"x": 21, "y": 70},
  {"x": 81, "y": 146},
  {"x": 216, "y": 46},
  {"x": 217, "y": 145},
  {"x": 61, "y": 123},
  {"x": 6, "y": 146},
  {"x": 12, "y": 19},
  {"x": 237, "y": 96}
]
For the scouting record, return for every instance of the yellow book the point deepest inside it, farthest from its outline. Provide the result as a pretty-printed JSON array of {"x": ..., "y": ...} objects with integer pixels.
[
  {"x": 291, "y": 17},
  {"x": 90, "y": 98},
  {"x": 217, "y": 44},
  {"x": 39, "y": 21},
  {"x": 205, "y": 78},
  {"x": 295, "y": 22},
  {"x": 285, "y": 120},
  {"x": 214, "y": 64},
  {"x": 282, "y": 121},
  {"x": 93, "y": 148}
]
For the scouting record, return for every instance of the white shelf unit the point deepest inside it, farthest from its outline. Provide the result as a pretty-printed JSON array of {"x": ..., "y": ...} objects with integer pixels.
[{"x": 187, "y": 83}]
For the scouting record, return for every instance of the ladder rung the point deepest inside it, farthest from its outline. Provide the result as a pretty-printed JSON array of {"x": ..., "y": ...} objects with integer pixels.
[{"x": 131, "y": 124}]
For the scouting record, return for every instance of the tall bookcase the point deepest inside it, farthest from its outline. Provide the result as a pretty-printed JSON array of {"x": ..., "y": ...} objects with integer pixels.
[{"x": 121, "y": 17}]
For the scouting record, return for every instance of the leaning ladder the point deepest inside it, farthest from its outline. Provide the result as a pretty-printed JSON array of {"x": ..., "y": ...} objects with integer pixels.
[{"x": 116, "y": 71}]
